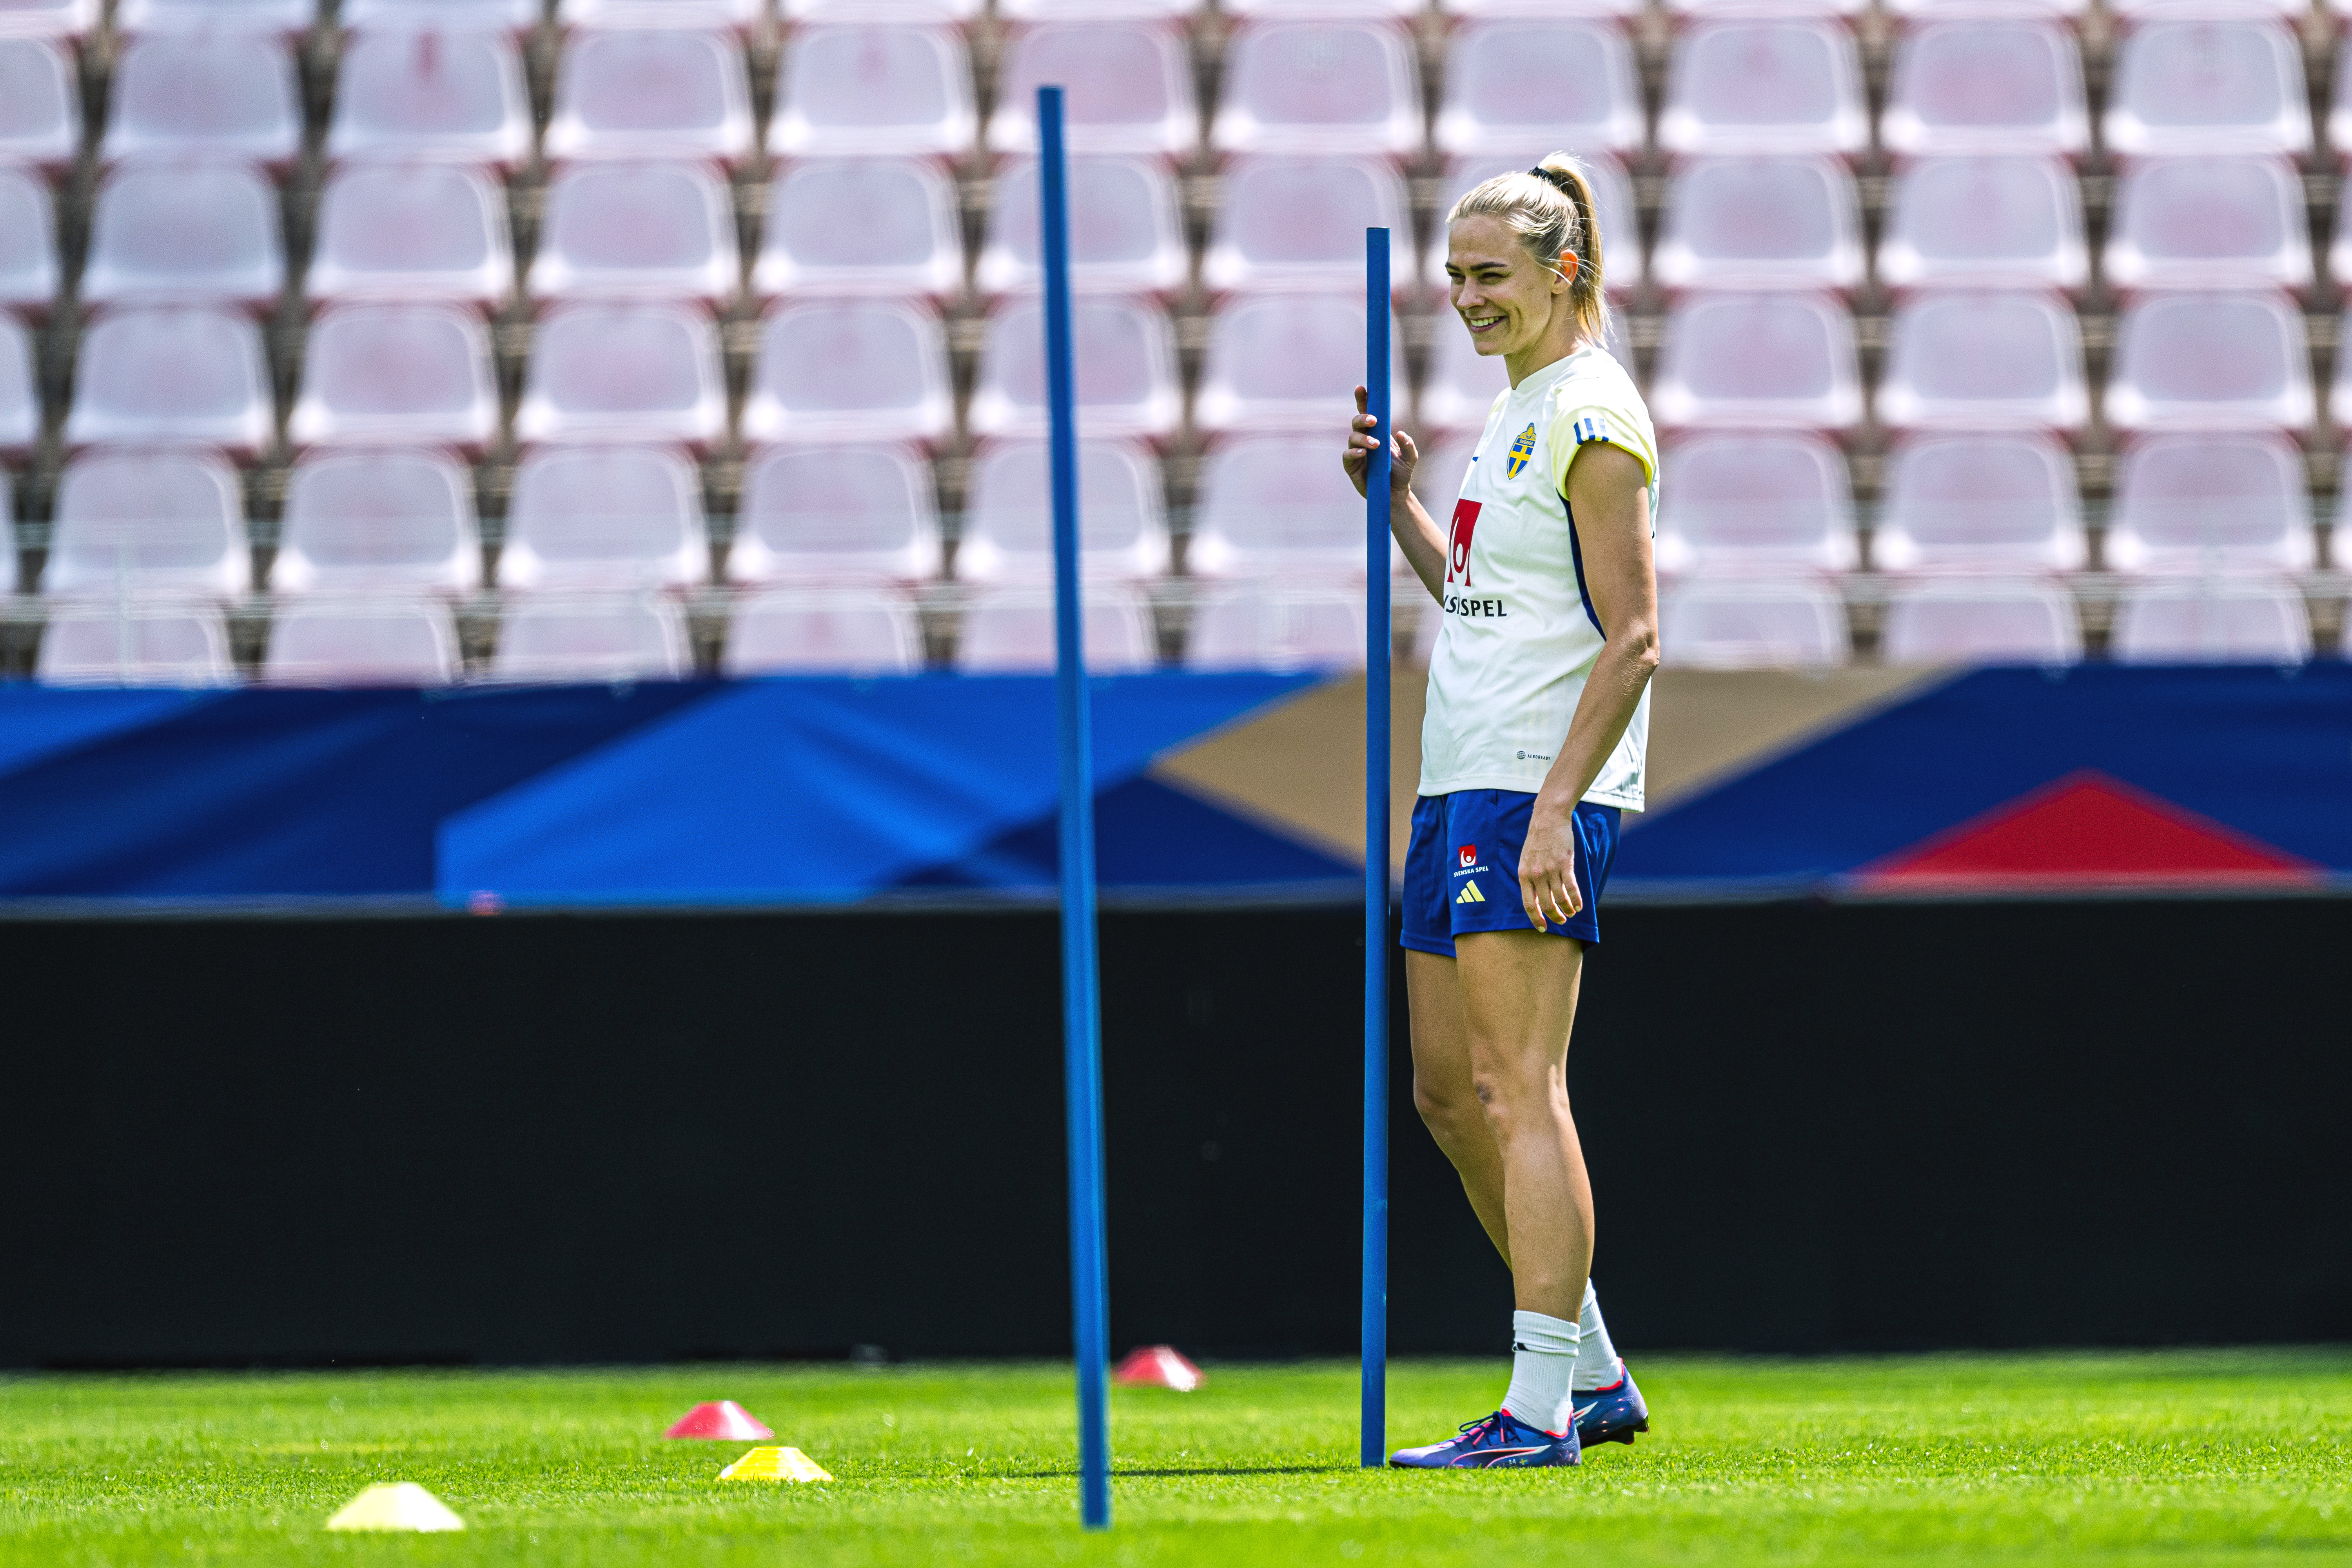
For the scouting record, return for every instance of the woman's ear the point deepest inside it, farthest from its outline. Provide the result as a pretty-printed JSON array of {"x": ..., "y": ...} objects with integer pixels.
[{"x": 1569, "y": 268}]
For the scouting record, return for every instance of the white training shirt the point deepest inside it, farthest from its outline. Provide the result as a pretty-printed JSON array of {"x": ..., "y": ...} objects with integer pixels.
[{"x": 1520, "y": 631}]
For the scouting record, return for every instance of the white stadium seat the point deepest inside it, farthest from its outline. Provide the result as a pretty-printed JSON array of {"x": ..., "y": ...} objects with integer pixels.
[
  {"x": 1262, "y": 626},
  {"x": 1320, "y": 85},
  {"x": 173, "y": 373},
  {"x": 430, "y": 92},
  {"x": 1759, "y": 360},
  {"x": 513, "y": 16},
  {"x": 49, "y": 19},
  {"x": 1126, "y": 234},
  {"x": 816, "y": 513},
  {"x": 1267, "y": 505},
  {"x": 20, "y": 400},
  {"x": 1127, "y": 88},
  {"x": 605, "y": 516},
  {"x": 1752, "y": 623},
  {"x": 132, "y": 520},
  {"x": 29, "y": 270},
  {"x": 2209, "y": 84},
  {"x": 1985, "y": 223},
  {"x": 153, "y": 642},
  {"x": 1760, "y": 223},
  {"x": 1283, "y": 362},
  {"x": 2212, "y": 621},
  {"x": 331, "y": 641},
  {"x": 198, "y": 231},
  {"x": 412, "y": 231},
  {"x": 856, "y": 370},
  {"x": 1756, "y": 84},
  {"x": 829, "y": 631},
  {"x": 860, "y": 225},
  {"x": 1513, "y": 82},
  {"x": 630, "y": 372},
  {"x": 637, "y": 229},
  {"x": 550, "y": 638},
  {"x": 1010, "y": 631},
  {"x": 376, "y": 519},
  {"x": 1008, "y": 525},
  {"x": 2008, "y": 358},
  {"x": 2208, "y": 223},
  {"x": 2225, "y": 361},
  {"x": 281, "y": 19},
  {"x": 652, "y": 92},
  {"x": 1980, "y": 620},
  {"x": 2198, "y": 502},
  {"x": 1987, "y": 85},
  {"x": 1997, "y": 499},
  {"x": 880, "y": 88},
  {"x": 40, "y": 104},
  {"x": 409, "y": 372},
  {"x": 1761, "y": 501},
  {"x": 741, "y": 18},
  {"x": 227, "y": 95},
  {"x": 1123, "y": 353}
]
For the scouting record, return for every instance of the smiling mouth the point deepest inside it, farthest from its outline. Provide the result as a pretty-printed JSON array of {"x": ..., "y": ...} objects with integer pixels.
[{"x": 1482, "y": 323}]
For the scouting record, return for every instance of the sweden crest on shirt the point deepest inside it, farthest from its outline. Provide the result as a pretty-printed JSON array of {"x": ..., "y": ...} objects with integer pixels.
[{"x": 1521, "y": 450}]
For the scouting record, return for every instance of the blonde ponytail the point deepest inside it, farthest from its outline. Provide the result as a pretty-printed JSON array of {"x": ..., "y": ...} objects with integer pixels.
[{"x": 1551, "y": 208}]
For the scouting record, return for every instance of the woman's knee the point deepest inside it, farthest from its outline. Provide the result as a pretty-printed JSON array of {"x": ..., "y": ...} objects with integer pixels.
[
  {"x": 1512, "y": 1096},
  {"x": 1445, "y": 1105}
]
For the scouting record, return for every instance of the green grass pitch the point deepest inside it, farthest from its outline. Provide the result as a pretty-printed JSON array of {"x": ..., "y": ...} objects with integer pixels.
[{"x": 2178, "y": 1458}]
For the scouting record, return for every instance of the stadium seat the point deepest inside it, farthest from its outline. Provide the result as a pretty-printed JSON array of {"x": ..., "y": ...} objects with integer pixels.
[
  {"x": 20, "y": 398},
  {"x": 1127, "y": 235},
  {"x": 1096, "y": 10},
  {"x": 1282, "y": 360},
  {"x": 652, "y": 92},
  {"x": 1987, "y": 85},
  {"x": 1267, "y": 505},
  {"x": 853, "y": 226},
  {"x": 331, "y": 641},
  {"x": 630, "y": 372},
  {"x": 283, "y": 18},
  {"x": 412, "y": 231},
  {"x": 1760, "y": 223},
  {"x": 173, "y": 373},
  {"x": 1980, "y": 620},
  {"x": 378, "y": 518},
  {"x": 203, "y": 231},
  {"x": 29, "y": 274},
  {"x": 1300, "y": 222},
  {"x": 879, "y": 88},
  {"x": 2002, "y": 499},
  {"x": 512, "y": 17},
  {"x": 225, "y": 95},
  {"x": 2198, "y": 502},
  {"x": 40, "y": 104},
  {"x": 1612, "y": 194},
  {"x": 605, "y": 516},
  {"x": 1756, "y": 502},
  {"x": 2210, "y": 84},
  {"x": 1008, "y": 521},
  {"x": 551, "y": 637},
  {"x": 1511, "y": 83},
  {"x": 741, "y": 18},
  {"x": 154, "y": 642},
  {"x": 430, "y": 93},
  {"x": 49, "y": 19},
  {"x": 1758, "y": 84},
  {"x": 406, "y": 372},
  {"x": 1319, "y": 86},
  {"x": 2212, "y": 621},
  {"x": 643, "y": 229},
  {"x": 1752, "y": 623},
  {"x": 1261, "y": 625},
  {"x": 148, "y": 519},
  {"x": 1996, "y": 358},
  {"x": 2208, "y": 223},
  {"x": 1985, "y": 223},
  {"x": 858, "y": 369},
  {"x": 845, "y": 513},
  {"x": 1010, "y": 631},
  {"x": 1474, "y": 10},
  {"x": 2236, "y": 361},
  {"x": 1129, "y": 87},
  {"x": 961, "y": 13},
  {"x": 1124, "y": 357},
  {"x": 1764, "y": 361},
  {"x": 1319, "y": 8},
  {"x": 835, "y": 631}
]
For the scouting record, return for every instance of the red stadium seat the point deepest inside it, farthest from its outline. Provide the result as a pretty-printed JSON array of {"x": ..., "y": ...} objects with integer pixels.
[
  {"x": 1752, "y": 623},
  {"x": 227, "y": 95},
  {"x": 1985, "y": 223},
  {"x": 889, "y": 88},
  {"x": 834, "y": 631},
  {"x": 1511, "y": 83},
  {"x": 412, "y": 231},
  {"x": 1762, "y": 361},
  {"x": 2212, "y": 621},
  {"x": 1987, "y": 85},
  {"x": 173, "y": 373},
  {"x": 1282, "y": 360},
  {"x": 1267, "y": 506},
  {"x": 40, "y": 104},
  {"x": 831, "y": 370},
  {"x": 1008, "y": 521},
  {"x": 284, "y": 18},
  {"x": 363, "y": 642},
  {"x": 645, "y": 230},
  {"x": 2194, "y": 502},
  {"x": 845, "y": 513},
  {"x": 1612, "y": 194},
  {"x": 512, "y": 17},
  {"x": 630, "y": 372},
  {"x": 2209, "y": 85},
  {"x": 1765, "y": 85},
  {"x": 1128, "y": 88},
  {"x": 1125, "y": 356},
  {"x": 150, "y": 642},
  {"x": 1761, "y": 222},
  {"x": 49, "y": 19},
  {"x": 1010, "y": 630},
  {"x": 29, "y": 273},
  {"x": 2005, "y": 358},
  {"x": 549, "y": 637},
  {"x": 1291, "y": 222},
  {"x": 156, "y": 520},
  {"x": 430, "y": 93},
  {"x": 2236, "y": 361},
  {"x": 20, "y": 398},
  {"x": 1127, "y": 235},
  {"x": 652, "y": 92},
  {"x": 2000, "y": 500},
  {"x": 1756, "y": 502},
  {"x": 858, "y": 226},
  {"x": 1261, "y": 625},
  {"x": 415, "y": 373},
  {"x": 199, "y": 231},
  {"x": 2208, "y": 223},
  {"x": 375, "y": 519},
  {"x": 605, "y": 516},
  {"x": 1319, "y": 86},
  {"x": 1980, "y": 620}
]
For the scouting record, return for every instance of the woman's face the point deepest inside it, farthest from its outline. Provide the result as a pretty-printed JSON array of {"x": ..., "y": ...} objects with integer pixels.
[{"x": 1502, "y": 295}]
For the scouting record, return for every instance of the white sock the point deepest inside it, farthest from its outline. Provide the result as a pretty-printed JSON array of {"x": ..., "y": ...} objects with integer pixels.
[
  {"x": 1543, "y": 1359},
  {"x": 1597, "y": 1366}
]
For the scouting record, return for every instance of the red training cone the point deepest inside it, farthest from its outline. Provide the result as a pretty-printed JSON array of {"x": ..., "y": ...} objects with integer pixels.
[
  {"x": 720, "y": 1419},
  {"x": 1158, "y": 1366}
]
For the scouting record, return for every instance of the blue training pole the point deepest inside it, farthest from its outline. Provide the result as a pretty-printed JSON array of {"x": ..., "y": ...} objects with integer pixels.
[
  {"x": 1081, "y": 1005},
  {"x": 1376, "y": 856}
]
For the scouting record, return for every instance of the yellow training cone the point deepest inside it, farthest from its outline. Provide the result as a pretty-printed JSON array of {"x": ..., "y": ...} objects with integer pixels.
[
  {"x": 775, "y": 1465},
  {"x": 407, "y": 1505}
]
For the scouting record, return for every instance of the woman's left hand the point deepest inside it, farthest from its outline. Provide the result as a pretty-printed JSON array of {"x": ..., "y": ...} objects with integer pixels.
[{"x": 1547, "y": 869}]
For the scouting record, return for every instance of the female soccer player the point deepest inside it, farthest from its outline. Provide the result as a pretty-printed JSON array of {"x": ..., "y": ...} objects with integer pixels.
[{"x": 1538, "y": 722}]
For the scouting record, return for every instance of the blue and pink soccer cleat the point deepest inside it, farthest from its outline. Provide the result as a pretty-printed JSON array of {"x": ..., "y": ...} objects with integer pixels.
[
  {"x": 1612, "y": 1414},
  {"x": 1502, "y": 1441}
]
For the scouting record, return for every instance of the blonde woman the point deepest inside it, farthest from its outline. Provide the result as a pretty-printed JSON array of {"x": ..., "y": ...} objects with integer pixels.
[{"x": 1538, "y": 722}]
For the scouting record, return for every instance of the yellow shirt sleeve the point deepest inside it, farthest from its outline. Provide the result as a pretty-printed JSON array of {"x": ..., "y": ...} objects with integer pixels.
[{"x": 1572, "y": 429}]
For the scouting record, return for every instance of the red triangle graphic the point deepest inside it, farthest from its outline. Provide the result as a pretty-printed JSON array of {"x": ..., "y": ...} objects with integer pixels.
[{"x": 2088, "y": 827}]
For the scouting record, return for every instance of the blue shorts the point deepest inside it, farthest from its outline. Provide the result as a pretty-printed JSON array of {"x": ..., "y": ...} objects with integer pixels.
[{"x": 1462, "y": 870}]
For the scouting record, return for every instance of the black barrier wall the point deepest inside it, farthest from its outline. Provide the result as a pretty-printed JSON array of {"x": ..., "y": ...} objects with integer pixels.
[{"x": 574, "y": 1137}]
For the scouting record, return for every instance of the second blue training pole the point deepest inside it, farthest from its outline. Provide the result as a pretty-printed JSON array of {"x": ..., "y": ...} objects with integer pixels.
[
  {"x": 1376, "y": 854},
  {"x": 1081, "y": 1002}
]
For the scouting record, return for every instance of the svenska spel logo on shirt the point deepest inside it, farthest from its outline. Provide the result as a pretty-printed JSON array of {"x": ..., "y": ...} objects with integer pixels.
[
  {"x": 1468, "y": 855},
  {"x": 1521, "y": 450}
]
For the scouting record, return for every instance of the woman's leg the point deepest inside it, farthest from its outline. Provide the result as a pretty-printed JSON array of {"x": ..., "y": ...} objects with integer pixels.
[{"x": 1444, "y": 1093}]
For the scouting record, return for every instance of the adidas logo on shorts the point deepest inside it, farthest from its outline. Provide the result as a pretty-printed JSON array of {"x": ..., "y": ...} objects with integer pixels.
[{"x": 1469, "y": 894}]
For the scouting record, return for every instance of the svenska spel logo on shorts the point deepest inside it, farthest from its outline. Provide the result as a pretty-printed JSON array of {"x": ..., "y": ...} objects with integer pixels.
[
  {"x": 1521, "y": 450},
  {"x": 1468, "y": 856}
]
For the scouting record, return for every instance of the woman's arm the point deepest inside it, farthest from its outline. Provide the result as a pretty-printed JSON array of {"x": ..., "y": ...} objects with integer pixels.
[
  {"x": 1608, "y": 495},
  {"x": 1422, "y": 540}
]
